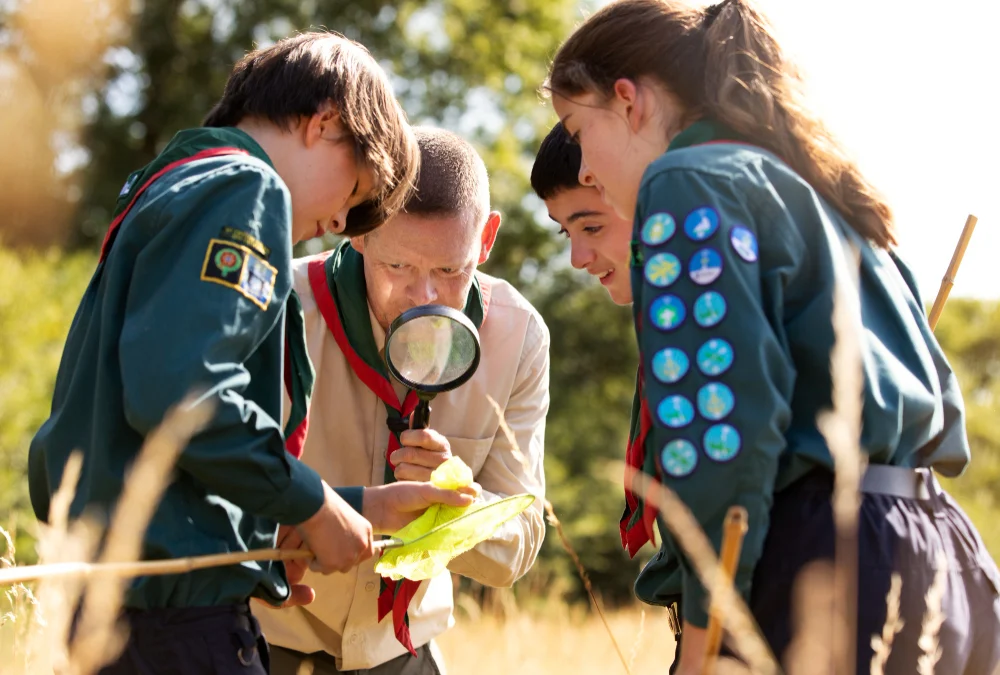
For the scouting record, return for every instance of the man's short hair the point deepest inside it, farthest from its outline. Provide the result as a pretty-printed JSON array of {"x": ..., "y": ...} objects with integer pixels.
[
  {"x": 295, "y": 77},
  {"x": 452, "y": 180},
  {"x": 557, "y": 165}
]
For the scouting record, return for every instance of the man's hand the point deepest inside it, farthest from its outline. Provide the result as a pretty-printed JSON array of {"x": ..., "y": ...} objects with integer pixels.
[
  {"x": 390, "y": 507},
  {"x": 289, "y": 539},
  {"x": 338, "y": 536},
  {"x": 423, "y": 451}
]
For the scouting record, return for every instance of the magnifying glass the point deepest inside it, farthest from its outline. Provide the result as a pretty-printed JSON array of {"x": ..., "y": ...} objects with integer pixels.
[{"x": 431, "y": 349}]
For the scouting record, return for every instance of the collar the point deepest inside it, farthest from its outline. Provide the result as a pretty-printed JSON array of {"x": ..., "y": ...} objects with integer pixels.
[{"x": 704, "y": 131}]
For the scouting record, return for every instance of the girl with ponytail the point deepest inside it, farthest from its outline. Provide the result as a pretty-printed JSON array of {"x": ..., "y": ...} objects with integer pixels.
[{"x": 749, "y": 219}]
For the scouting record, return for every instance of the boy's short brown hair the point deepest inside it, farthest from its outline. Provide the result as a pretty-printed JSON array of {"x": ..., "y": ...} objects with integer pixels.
[{"x": 296, "y": 76}]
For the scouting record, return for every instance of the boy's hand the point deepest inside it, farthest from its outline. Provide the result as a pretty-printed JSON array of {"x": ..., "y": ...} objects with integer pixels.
[
  {"x": 390, "y": 507},
  {"x": 338, "y": 536},
  {"x": 423, "y": 451}
]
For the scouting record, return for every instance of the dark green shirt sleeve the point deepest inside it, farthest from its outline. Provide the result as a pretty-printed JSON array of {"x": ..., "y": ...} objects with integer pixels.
[
  {"x": 200, "y": 315},
  {"x": 718, "y": 379}
]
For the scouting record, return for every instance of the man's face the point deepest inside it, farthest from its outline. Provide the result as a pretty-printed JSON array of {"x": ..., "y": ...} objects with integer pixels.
[
  {"x": 417, "y": 260},
  {"x": 599, "y": 238}
]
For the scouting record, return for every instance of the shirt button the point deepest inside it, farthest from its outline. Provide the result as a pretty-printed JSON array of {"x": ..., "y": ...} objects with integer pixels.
[
  {"x": 354, "y": 639},
  {"x": 370, "y": 586}
]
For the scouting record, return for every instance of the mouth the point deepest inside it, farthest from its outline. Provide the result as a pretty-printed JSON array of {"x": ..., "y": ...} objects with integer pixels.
[
  {"x": 320, "y": 229},
  {"x": 606, "y": 276}
]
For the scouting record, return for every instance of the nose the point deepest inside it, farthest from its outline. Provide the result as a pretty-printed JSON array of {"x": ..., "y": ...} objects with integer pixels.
[
  {"x": 339, "y": 223},
  {"x": 423, "y": 291},
  {"x": 586, "y": 176},
  {"x": 580, "y": 255}
]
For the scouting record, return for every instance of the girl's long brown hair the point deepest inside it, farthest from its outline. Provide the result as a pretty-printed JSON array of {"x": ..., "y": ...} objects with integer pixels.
[{"x": 723, "y": 63}]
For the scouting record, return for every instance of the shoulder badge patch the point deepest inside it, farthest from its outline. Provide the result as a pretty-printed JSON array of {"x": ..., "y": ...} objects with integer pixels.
[
  {"x": 244, "y": 238},
  {"x": 241, "y": 269}
]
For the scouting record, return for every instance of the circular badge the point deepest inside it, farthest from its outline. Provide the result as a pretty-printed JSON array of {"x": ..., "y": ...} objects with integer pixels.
[
  {"x": 228, "y": 260},
  {"x": 670, "y": 365},
  {"x": 705, "y": 266},
  {"x": 663, "y": 269},
  {"x": 715, "y": 357},
  {"x": 744, "y": 243},
  {"x": 678, "y": 458},
  {"x": 701, "y": 223},
  {"x": 715, "y": 401},
  {"x": 667, "y": 312},
  {"x": 709, "y": 309},
  {"x": 675, "y": 412},
  {"x": 658, "y": 229},
  {"x": 722, "y": 442}
]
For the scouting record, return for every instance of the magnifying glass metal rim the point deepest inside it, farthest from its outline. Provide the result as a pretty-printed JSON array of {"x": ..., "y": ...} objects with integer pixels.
[{"x": 433, "y": 310}]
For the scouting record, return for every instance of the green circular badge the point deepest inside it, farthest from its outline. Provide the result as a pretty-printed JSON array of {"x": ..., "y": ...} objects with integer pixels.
[
  {"x": 228, "y": 260},
  {"x": 678, "y": 458}
]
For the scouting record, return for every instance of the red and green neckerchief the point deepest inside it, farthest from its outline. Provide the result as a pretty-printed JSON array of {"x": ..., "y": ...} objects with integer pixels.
[
  {"x": 192, "y": 145},
  {"x": 338, "y": 283},
  {"x": 636, "y": 525}
]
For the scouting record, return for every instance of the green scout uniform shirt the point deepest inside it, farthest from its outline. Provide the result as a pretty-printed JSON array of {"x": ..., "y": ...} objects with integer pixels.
[
  {"x": 737, "y": 258},
  {"x": 192, "y": 293}
]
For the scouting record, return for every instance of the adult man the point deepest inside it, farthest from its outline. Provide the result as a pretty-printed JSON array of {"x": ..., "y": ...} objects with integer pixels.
[{"x": 426, "y": 254}]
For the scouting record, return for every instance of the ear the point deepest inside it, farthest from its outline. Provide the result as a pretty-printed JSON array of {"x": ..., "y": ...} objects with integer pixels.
[
  {"x": 358, "y": 243},
  {"x": 627, "y": 101},
  {"x": 323, "y": 124},
  {"x": 489, "y": 236}
]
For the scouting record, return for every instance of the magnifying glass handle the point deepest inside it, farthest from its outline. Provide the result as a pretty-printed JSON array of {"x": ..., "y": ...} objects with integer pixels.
[{"x": 421, "y": 415}]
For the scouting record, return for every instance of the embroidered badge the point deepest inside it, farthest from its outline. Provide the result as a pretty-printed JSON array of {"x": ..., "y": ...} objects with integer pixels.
[
  {"x": 701, "y": 223},
  {"x": 241, "y": 269},
  {"x": 709, "y": 309},
  {"x": 675, "y": 412},
  {"x": 715, "y": 401},
  {"x": 241, "y": 237},
  {"x": 667, "y": 312},
  {"x": 722, "y": 442},
  {"x": 635, "y": 260},
  {"x": 670, "y": 365},
  {"x": 663, "y": 269},
  {"x": 658, "y": 229},
  {"x": 705, "y": 266},
  {"x": 744, "y": 243},
  {"x": 129, "y": 183},
  {"x": 678, "y": 458},
  {"x": 714, "y": 357}
]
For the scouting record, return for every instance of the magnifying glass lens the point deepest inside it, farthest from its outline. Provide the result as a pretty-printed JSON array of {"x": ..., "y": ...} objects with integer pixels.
[{"x": 432, "y": 351}]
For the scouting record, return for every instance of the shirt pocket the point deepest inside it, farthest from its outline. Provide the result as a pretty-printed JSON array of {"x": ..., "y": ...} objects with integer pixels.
[{"x": 473, "y": 451}]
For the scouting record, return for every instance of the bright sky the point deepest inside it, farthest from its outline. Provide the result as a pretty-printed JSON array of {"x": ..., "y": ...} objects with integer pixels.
[{"x": 912, "y": 88}]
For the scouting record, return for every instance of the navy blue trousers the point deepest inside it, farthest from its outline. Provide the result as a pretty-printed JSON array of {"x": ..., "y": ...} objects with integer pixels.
[
  {"x": 894, "y": 535},
  {"x": 193, "y": 641}
]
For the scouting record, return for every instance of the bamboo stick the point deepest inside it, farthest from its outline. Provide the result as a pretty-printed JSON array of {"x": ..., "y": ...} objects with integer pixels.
[
  {"x": 949, "y": 276},
  {"x": 734, "y": 529}
]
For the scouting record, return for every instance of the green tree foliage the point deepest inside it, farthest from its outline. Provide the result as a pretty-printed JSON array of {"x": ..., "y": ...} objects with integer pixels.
[{"x": 33, "y": 326}]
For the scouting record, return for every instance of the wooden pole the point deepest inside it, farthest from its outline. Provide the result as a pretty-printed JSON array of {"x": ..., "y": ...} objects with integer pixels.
[
  {"x": 949, "y": 277},
  {"x": 735, "y": 528}
]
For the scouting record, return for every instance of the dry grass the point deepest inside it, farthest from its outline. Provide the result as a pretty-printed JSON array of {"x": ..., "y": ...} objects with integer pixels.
[{"x": 560, "y": 641}]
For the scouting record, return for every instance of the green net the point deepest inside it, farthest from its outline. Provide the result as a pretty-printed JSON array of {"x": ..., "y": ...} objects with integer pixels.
[{"x": 443, "y": 533}]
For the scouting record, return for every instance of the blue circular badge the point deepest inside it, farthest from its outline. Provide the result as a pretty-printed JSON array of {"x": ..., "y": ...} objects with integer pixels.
[
  {"x": 670, "y": 365},
  {"x": 715, "y": 357},
  {"x": 675, "y": 412},
  {"x": 678, "y": 458},
  {"x": 715, "y": 401},
  {"x": 662, "y": 269},
  {"x": 667, "y": 312},
  {"x": 658, "y": 229},
  {"x": 701, "y": 223},
  {"x": 744, "y": 243},
  {"x": 722, "y": 442},
  {"x": 709, "y": 309},
  {"x": 705, "y": 266}
]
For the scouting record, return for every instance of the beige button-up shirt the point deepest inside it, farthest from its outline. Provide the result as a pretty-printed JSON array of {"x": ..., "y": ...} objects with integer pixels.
[{"x": 346, "y": 444}]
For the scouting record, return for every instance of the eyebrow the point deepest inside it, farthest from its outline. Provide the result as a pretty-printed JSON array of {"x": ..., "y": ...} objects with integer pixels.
[{"x": 573, "y": 217}]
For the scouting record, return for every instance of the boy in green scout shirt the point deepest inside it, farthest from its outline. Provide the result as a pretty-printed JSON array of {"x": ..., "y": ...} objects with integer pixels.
[{"x": 193, "y": 290}]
